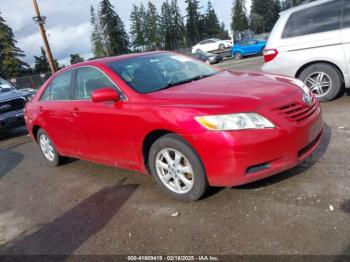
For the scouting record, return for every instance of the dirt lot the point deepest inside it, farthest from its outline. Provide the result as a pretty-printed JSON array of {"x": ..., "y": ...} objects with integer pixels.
[{"x": 84, "y": 208}]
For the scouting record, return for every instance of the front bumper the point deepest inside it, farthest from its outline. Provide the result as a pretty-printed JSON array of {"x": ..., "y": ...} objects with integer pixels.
[
  {"x": 11, "y": 120},
  {"x": 240, "y": 157}
]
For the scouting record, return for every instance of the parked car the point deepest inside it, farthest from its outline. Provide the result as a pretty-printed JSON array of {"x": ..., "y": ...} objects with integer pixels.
[
  {"x": 12, "y": 103},
  {"x": 208, "y": 58},
  {"x": 248, "y": 47},
  {"x": 312, "y": 42},
  {"x": 211, "y": 45},
  {"x": 190, "y": 125}
]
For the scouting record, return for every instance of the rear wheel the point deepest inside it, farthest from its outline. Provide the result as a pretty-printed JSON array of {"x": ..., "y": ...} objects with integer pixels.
[
  {"x": 177, "y": 168},
  {"x": 48, "y": 149},
  {"x": 237, "y": 56},
  {"x": 324, "y": 80},
  {"x": 221, "y": 47}
]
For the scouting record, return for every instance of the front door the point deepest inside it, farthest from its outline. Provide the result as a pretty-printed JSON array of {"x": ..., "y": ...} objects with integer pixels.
[{"x": 105, "y": 130}]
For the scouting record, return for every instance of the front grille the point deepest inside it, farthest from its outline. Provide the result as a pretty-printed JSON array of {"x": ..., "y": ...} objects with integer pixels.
[
  {"x": 12, "y": 105},
  {"x": 297, "y": 112}
]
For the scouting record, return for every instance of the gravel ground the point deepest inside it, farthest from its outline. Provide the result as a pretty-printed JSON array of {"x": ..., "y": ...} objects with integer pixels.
[{"x": 85, "y": 208}]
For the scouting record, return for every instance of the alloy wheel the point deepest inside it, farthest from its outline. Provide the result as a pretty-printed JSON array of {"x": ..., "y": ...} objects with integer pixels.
[
  {"x": 319, "y": 83},
  {"x": 175, "y": 171},
  {"x": 47, "y": 148}
]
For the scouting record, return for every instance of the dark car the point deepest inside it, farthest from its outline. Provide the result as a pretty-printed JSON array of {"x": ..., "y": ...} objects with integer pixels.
[
  {"x": 12, "y": 102},
  {"x": 208, "y": 58}
]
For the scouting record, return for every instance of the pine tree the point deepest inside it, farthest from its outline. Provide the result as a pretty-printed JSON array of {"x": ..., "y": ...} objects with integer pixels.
[
  {"x": 152, "y": 27},
  {"x": 211, "y": 21},
  {"x": 223, "y": 32},
  {"x": 75, "y": 58},
  {"x": 290, "y": 3},
  {"x": 97, "y": 37},
  {"x": 137, "y": 38},
  {"x": 264, "y": 14},
  {"x": 41, "y": 64},
  {"x": 178, "y": 29},
  {"x": 193, "y": 21},
  {"x": 239, "y": 17},
  {"x": 113, "y": 29},
  {"x": 165, "y": 25},
  {"x": 10, "y": 63}
]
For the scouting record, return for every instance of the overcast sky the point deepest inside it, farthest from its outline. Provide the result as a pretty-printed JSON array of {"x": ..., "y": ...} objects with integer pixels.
[{"x": 68, "y": 23}]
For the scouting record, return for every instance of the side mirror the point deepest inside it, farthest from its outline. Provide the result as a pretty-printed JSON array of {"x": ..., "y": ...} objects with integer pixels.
[{"x": 105, "y": 95}]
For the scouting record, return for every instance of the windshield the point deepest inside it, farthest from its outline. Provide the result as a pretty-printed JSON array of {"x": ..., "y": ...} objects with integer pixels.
[
  {"x": 5, "y": 86},
  {"x": 155, "y": 72}
]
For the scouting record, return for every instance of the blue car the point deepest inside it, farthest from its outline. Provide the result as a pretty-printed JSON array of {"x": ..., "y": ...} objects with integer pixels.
[{"x": 248, "y": 47}]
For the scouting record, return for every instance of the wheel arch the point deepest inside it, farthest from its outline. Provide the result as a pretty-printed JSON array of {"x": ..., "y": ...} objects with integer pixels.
[
  {"x": 148, "y": 141},
  {"x": 301, "y": 69},
  {"x": 35, "y": 130}
]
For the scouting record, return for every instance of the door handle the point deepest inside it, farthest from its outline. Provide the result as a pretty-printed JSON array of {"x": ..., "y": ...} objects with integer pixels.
[{"x": 76, "y": 111}]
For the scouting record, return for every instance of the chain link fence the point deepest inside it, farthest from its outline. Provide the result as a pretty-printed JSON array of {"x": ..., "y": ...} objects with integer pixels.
[{"x": 32, "y": 81}]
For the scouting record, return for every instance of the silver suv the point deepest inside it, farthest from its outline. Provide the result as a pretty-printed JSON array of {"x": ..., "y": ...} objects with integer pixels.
[{"x": 312, "y": 42}]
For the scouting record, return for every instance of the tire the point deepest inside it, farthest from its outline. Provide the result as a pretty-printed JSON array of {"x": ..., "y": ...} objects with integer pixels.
[
  {"x": 221, "y": 47},
  {"x": 53, "y": 159},
  {"x": 237, "y": 56},
  {"x": 311, "y": 76},
  {"x": 207, "y": 62},
  {"x": 190, "y": 185}
]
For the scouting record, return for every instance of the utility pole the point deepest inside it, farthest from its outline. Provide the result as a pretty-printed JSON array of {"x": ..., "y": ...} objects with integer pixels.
[{"x": 40, "y": 20}]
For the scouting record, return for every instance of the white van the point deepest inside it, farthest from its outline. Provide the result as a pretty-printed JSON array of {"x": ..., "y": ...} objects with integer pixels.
[{"x": 312, "y": 42}]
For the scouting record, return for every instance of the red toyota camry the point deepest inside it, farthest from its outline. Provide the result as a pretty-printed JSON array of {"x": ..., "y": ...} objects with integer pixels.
[{"x": 188, "y": 124}]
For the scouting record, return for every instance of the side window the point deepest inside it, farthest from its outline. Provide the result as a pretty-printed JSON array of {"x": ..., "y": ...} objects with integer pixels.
[
  {"x": 46, "y": 95},
  {"x": 89, "y": 79},
  {"x": 346, "y": 15},
  {"x": 60, "y": 88},
  {"x": 317, "y": 19}
]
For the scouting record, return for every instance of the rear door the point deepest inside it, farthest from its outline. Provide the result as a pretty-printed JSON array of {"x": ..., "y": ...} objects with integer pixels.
[
  {"x": 56, "y": 106},
  {"x": 346, "y": 36}
]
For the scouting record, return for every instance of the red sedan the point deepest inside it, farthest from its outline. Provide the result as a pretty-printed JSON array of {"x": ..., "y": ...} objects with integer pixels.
[{"x": 188, "y": 124}]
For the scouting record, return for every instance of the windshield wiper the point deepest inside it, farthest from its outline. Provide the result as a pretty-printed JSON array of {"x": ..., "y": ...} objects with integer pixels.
[{"x": 192, "y": 79}]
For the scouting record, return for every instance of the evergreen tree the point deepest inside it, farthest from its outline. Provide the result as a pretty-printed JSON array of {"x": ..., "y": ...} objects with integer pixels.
[
  {"x": 290, "y": 3},
  {"x": 113, "y": 29},
  {"x": 152, "y": 27},
  {"x": 10, "y": 63},
  {"x": 75, "y": 58},
  {"x": 97, "y": 37},
  {"x": 239, "y": 17},
  {"x": 264, "y": 14},
  {"x": 193, "y": 21},
  {"x": 41, "y": 64},
  {"x": 211, "y": 21},
  {"x": 223, "y": 32},
  {"x": 177, "y": 27},
  {"x": 137, "y": 38}
]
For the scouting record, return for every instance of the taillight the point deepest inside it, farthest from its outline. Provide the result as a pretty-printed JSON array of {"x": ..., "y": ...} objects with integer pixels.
[{"x": 270, "y": 54}]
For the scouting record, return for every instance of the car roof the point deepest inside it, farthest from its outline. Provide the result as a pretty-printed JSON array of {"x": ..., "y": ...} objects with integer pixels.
[
  {"x": 107, "y": 60},
  {"x": 304, "y": 6}
]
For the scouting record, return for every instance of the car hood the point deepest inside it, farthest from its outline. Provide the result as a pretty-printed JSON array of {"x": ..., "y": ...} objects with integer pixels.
[
  {"x": 238, "y": 91},
  {"x": 15, "y": 93}
]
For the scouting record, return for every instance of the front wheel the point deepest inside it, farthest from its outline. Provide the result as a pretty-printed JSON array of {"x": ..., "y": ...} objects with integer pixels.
[
  {"x": 48, "y": 149},
  {"x": 177, "y": 169}
]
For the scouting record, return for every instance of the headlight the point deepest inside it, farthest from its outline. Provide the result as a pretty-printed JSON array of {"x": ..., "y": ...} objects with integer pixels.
[{"x": 234, "y": 122}]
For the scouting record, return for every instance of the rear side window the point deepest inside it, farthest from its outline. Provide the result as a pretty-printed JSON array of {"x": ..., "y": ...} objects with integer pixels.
[
  {"x": 318, "y": 19},
  {"x": 60, "y": 88},
  {"x": 346, "y": 16}
]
